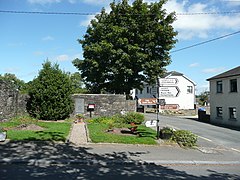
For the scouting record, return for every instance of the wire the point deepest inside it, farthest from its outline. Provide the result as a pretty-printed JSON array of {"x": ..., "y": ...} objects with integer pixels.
[
  {"x": 87, "y": 14},
  {"x": 47, "y": 13},
  {"x": 204, "y": 42}
]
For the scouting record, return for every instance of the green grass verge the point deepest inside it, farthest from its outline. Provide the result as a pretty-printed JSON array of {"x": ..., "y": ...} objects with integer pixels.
[
  {"x": 53, "y": 131},
  {"x": 97, "y": 133}
]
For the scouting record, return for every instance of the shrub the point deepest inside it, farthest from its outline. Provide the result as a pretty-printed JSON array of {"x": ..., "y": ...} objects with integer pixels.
[
  {"x": 134, "y": 117},
  {"x": 184, "y": 138},
  {"x": 50, "y": 94},
  {"x": 166, "y": 133},
  {"x": 101, "y": 119}
]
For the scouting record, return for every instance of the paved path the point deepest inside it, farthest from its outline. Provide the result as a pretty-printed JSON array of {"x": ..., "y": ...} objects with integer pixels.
[{"x": 78, "y": 135}]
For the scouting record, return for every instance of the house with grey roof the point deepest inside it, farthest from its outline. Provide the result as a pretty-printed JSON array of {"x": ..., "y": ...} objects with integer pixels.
[{"x": 225, "y": 98}]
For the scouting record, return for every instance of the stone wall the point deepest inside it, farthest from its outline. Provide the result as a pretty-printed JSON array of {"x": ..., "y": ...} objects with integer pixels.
[
  {"x": 11, "y": 101},
  {"x": 105, "y": 104}
]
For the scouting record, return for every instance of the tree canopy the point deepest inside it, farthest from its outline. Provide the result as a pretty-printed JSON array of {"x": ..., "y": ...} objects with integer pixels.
[
  {"x": 126, "y": 47},
  {"x": 13, "y": 81},
  {"x": 50, "y": 94}
]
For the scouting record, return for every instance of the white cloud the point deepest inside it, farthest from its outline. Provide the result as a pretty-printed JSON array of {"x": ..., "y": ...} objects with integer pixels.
[
  {"x": 214, "y": 70},
  {"x": 98, "y": 2},
  {"x": 38, "y": 53},
  {"x": 11, "y": 70},
  {"x": 190, "y": 26},
  {"x": 231, "y": 3},
  {"x": 87, "y": 21},
  {"x": 43, "y": 2},
  {"x": 63, "y": 57},
  {"x": 194, "y": 65},
  {"x": 48, "y": 38}
]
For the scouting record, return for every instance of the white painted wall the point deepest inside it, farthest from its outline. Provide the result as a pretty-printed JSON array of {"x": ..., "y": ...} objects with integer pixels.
[
  {"x": 225, "y": 100},
  {"x": 184, "y": 99}
]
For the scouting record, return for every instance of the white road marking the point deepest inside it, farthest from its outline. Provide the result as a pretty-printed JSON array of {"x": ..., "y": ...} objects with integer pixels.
[
  {"x": 205, "y": 138},
  {"x": 235, "y": 150}
]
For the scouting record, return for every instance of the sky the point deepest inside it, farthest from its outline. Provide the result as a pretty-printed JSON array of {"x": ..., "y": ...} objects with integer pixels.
[{"x": 28, "y": 40}]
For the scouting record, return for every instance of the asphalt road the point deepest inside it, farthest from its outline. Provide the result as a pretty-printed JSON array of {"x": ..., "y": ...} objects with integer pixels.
[{"x": 209, "y": 135}]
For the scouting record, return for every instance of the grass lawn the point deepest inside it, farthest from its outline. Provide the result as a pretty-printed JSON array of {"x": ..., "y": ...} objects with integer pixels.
[
  {"x": 97, "y": 133},
  {"x": 53, "y": 131}
]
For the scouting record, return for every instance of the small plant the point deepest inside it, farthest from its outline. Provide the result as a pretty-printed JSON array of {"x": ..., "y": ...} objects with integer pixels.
[
  {"x": 80, "y": 117},
  {"x": 2, "y": 130},
  {"x": 134, "y": 117},
  {"x": 166, "y": 133},
  {"x": 184, "y": 138}
]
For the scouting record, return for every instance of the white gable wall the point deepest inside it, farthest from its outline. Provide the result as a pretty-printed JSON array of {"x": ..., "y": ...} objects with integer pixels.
[{"x": 184, "y": 100}]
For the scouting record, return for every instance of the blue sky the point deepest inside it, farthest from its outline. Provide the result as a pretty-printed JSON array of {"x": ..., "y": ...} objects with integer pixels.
[{"x": 27, "y": 40}]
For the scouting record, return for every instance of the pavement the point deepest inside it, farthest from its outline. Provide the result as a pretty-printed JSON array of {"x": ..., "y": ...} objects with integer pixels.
[
  {"x": 78, "y": 135},
  {"x": 162, "y": 154}
]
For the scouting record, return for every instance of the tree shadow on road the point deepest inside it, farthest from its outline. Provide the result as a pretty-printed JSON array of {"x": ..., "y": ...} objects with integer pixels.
[{"x": 65, "y": 161}]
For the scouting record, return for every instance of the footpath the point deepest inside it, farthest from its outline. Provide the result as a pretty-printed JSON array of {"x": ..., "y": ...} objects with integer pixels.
[{"x": 78, "y": 135}]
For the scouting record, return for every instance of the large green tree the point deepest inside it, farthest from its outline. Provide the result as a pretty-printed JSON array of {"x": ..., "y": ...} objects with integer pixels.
[
  {"x": 13, "y": 81},
  {"x": 77, "y": 83},
  {"x": 126, "y": 47},
  {"x": 50, "y": 94}
]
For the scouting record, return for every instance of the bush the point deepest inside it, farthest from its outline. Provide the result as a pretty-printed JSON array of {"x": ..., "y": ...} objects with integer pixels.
[
  {"x": 166, "y": 133},
  {"x": 101, "y": 119},
  {"x": 184, "y": 138},
  {"x": 50, "y": 94},
  {"x": 134, "y": 117}
]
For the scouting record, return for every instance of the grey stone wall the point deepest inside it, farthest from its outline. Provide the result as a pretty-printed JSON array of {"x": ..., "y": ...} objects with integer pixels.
[
  {"x": 105, "y": 104},
  {"x": 11, "y": 101}
]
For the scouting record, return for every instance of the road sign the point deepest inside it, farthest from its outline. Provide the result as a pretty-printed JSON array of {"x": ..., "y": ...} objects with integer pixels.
[
  {"x": 167, "y": 81},
  {"x": 161, "y": 102},
  {"x": 171, "y": 91},
  {"x": 147, "y": 101}
]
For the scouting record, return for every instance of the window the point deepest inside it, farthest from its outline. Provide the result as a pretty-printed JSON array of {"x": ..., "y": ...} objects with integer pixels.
[
  {"x": 233, "y": 85},
  {"x": 136, "y": 91},
  {"x": 219, "y": 86},
  {"x": 219, "y": 112},
  {"x": 232, "y": 113},
  {"x": 141, "y": 91},
  {"x": 189, "y": 89}
]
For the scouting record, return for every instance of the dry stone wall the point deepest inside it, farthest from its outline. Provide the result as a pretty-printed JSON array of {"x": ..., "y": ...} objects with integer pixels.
[
  {"x": 11, "y": 101},
  {"x": 105, "y": 104}
]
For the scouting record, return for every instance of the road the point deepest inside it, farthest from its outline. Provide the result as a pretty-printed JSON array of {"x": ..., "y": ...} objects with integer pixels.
[{"x": 209, "y": 135}]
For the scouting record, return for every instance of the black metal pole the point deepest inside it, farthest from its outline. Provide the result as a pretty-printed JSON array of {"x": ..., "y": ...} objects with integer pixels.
[
  {"x": 158, "y": 132},
  {"x": 158, "y": 106}
]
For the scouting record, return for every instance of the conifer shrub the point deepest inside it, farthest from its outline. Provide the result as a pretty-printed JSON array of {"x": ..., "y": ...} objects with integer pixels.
[{"x": 50, "y": 94}]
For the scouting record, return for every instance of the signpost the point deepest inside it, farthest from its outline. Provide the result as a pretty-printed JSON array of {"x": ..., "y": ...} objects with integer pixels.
[
  {"x": 147, "y": 101},
  {"x": 167, "y": 81},
  {"x": 171, "y": 91}
]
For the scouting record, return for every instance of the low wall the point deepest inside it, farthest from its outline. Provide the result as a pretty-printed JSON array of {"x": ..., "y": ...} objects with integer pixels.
[{"x": 105, "y": 104}]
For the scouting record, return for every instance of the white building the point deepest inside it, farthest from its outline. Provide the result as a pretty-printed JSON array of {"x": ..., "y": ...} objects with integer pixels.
[
  {"x": 177, "y": 90},
  {"x": 225, "y": 98}
]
